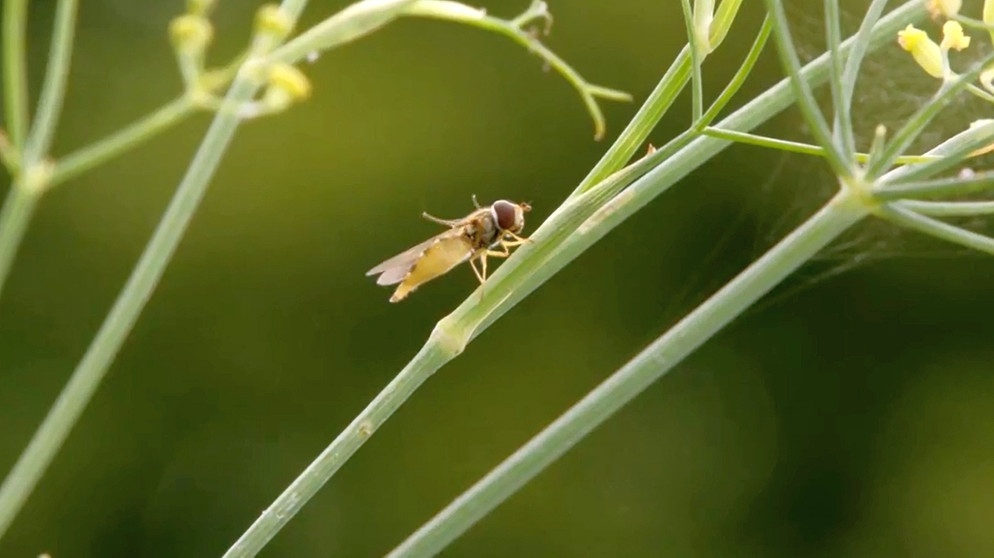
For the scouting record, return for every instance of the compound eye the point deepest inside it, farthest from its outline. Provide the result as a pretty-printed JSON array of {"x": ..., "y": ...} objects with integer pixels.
[{"x": 506, "y": 214}]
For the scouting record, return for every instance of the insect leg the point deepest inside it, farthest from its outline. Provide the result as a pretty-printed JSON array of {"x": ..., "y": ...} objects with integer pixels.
[
  {"x": 518, "y": 240},
  {"x": 472, "y": 264},
  {"x": 483, "y": 264},
  {"x": 500, "y": 253},
  {"x": 446, "y": 222}
]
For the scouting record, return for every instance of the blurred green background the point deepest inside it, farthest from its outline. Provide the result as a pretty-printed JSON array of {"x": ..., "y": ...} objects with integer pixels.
[{"x": 850, "y": 414}]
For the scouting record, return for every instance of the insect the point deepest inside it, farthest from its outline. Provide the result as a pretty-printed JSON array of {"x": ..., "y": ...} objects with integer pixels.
[{"x": 488, "y": 231}]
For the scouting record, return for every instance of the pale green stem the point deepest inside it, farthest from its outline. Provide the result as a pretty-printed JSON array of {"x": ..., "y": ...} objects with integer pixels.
[
  {"x": 457, "y": 12},
  {"x": 15, "y": 215},
  {"x": 97, "y": 153},
  {"x": 842, "y": 132},
  {"x": 365, "y": 19},
  {"x": 797, "y": 147},
  {"x": 722, "y": 22},
  {"x": 83, "y": 383},
  {"x": 645, "y": 120},
  {"x": 948, "y": 209},
  {"x": 22, "y": 200},
  {"x": 293, "y": 498},
  {"x": 905, "y": 217},
  {"x": 53, "y": 89},
  {"x": 696, "y": 37},
  {"x": 656, "y": 360},
  {"x": 914, "y": 126},
  {"x": 740, "y": 77},
  {"x": 802, "y": 90},
  {"x": 953, "y": 152},
  {"x": 15, "y": 78},
  {"x": 953, "y": 185},
  {"x": 854, "y": 61}
]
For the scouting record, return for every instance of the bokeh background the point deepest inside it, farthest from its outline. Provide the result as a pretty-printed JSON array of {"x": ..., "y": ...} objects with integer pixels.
[{"x": 849, "y": 414}]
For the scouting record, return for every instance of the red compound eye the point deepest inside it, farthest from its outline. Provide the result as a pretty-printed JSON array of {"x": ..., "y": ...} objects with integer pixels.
[{"x": 506, "y": 213}]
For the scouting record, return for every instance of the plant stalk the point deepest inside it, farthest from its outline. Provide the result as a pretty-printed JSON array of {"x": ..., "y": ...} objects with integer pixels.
[{"x": 657, "y": 359}]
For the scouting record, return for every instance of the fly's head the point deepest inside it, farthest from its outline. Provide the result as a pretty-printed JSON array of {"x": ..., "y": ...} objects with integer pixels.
[{"x": 509, "y": 216}]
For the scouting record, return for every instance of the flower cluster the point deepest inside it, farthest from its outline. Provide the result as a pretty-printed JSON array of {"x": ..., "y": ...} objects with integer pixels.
[{"x": 933, "y": 57}]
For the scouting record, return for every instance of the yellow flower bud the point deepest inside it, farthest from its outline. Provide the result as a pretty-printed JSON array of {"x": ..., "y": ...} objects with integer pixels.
[
  {"x": 926, "y": 53},
  {"x": 953, "y": 37},
  {"x": 943, "y": 8},
  {"x": 291, "y": 80},
  {"x": 191, "y": 33},
  {"x": 285, "y": 85},
  {"x": 270, "y": 19}
]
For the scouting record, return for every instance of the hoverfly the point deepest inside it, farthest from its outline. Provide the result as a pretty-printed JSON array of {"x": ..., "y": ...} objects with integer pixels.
[{"x": 488, "y": 231}]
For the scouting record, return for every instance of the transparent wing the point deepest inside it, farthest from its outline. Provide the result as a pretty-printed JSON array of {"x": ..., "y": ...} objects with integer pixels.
[{"x": 393, "y": 270}]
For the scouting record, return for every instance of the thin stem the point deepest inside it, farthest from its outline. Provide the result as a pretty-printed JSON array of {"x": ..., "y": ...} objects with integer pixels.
[
  {"x": 854, "y": 60},
  {"x": 99, "y": 152},
  {"x": 523, "y": 273},
  {"x": 951, "y": 153},
  {"x": 84, "y": 381},
  {"x": 797, "y": 147},
  {"x": 842, "y": 132},
  {"x": 15, "y": 78},
  {"x": 913, "y": 127},
  {"x": 457, "y": 12},
  {"x": 15, "y": 215},
  {"x": 624, "y": 385},
  {"x": 980, "y": 93},
  {"x": 70, "y": 404},
  {"x": 310, "y": 481},
  {"x": 805, "y": 98},
  {"x": 645, "y": 120},
  {"x": 946, "y": 186},
  {"x": 53, "y": 89},
  {"x": 905, "y": 217},
  {"x": 724, "y": 16},
  {"x": 743, "y": 73},
  {"x": 697, "y": 54},
  {"x": 948, "y": 209}
]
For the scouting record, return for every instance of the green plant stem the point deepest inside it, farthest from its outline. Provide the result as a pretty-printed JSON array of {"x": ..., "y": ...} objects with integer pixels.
[
  {"x": 557, "y": 242},
  {"x": 948, "y": 209},
  {"x": 724, "y": 16},
  {"x": 739, "y": 79},
  {"x": 97, "y": 153},
  {"x": 47, "y": 440},
  {"x": 855, "y": 59},
  {"x": 53, "y": 89},
  {"x": 79, "y": 390},
  {"x": 34, "y": 460},
  {"x": 519, "y": 276},
  {"x": 797, "y": 147},
  {"x": 18, "y": 208},
  {"x": 842, "y": 132},
  {"x": 820, "y": 129},
  {"x": 914, "y": 126},
  {"x": 905, "y": 217},
  {"x": 656, "y": 360},
  {"x": 954, "y": 151},
  {"x": 15, "y": 79},
  {"x": 953, "y": 185},
  {"x": 286, "y": 506},
  {"x": 695, "y": 38},
  {"x": 649, "y": 114}
]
